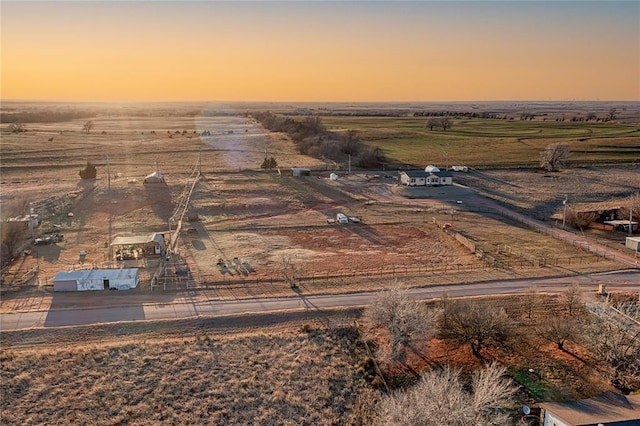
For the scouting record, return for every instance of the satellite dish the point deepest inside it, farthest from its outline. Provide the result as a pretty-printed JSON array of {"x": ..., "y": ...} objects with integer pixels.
[{"x": 526, "y": 410}]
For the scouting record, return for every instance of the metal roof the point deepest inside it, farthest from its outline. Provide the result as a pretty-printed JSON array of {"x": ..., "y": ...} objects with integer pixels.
[
  {"x": 97, "y": 274},
  {"x": 138, "y": 239},
  {"x": 422, "y": 173},
  {"x": 605, "y": 408}
]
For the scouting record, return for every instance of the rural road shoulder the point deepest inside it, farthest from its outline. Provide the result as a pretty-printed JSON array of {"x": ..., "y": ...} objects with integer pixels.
[{"x": 622, "y": 280}]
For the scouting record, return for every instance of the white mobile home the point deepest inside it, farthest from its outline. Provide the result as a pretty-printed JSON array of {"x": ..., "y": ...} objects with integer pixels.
[{"x": 96, "y": 279}]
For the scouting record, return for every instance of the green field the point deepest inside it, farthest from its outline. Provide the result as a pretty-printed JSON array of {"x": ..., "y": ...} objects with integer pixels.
[{"x": 491, "y": 143}]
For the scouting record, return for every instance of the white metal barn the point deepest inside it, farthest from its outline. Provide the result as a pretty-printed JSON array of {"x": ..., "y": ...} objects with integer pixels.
[{"x": 96, "y": 279}]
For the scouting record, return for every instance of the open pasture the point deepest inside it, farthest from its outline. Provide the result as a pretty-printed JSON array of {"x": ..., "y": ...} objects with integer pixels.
[
  {"x": 490, "y": 143},
  {"x": 251, "y": 220}
]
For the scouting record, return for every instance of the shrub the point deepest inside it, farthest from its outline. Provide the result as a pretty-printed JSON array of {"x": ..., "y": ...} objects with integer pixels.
[{"x": 89, "y": 172}]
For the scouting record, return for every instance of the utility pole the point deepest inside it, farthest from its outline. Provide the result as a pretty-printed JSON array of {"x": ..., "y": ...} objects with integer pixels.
[
  {"x": 108, "y": 175},
  {"x": 630, "y": 217},
  {"x": 349, "y": 164},
  {"x": 564, "y": 212}
]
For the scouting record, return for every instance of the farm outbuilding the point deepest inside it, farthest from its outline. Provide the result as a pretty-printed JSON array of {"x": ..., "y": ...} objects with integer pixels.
[
  {"x": 137, "y": 246},
  {"x": 154, "y": 177},
  {"x": 633, "y": 243},
  {"x": 623, "y": 225},
  {"x": 96, "y": 279},
  {"x": 301, "y": 171},
  {"x": 425, "y": 178}
]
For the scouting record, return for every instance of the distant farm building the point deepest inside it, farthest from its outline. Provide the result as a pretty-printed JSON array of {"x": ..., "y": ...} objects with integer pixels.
[
  {"x": 301, "y": 171},
  {"x": 633, "y": 243},
  {"x": 138, "y": 246},
  {"x": 622, "y": 225},
  {"x": 154, "y": 177},
  {"x": 426, "y": 178},
  {"x": 96, "y": 279}
]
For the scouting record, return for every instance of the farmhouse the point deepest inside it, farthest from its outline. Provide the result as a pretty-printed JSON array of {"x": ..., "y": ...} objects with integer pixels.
[
  {"x": 425, "y": 178},
  {"x": 607, "y": 409},
  {"x": 138, "y": 246},
  {"x": 96, "y": 279}
]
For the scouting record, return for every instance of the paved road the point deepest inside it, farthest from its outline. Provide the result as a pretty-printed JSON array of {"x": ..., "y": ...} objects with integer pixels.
[{"x": 624, "y": 280}]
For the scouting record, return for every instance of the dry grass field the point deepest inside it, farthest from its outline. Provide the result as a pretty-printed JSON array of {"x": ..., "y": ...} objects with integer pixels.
[
  {"x": 277, "y": 376},
  {"x": 286, "y": 368}
]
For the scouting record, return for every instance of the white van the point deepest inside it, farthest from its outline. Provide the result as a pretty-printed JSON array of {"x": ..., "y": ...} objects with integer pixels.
[{"x": 341, "y": 218}]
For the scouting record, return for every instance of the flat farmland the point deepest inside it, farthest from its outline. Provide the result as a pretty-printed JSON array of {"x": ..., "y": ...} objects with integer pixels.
[
  {"x": 475, "y": 142},
  {"x": 252, "y": 221}
]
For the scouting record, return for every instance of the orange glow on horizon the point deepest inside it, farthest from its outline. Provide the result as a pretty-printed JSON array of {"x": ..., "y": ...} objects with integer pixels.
[{"x": 230, "y": 52}]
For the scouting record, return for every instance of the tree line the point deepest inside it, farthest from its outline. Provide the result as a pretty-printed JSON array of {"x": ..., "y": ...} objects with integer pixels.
[
  {"x": 312, "y": 138},
  {"x": 42, "y": 116}
]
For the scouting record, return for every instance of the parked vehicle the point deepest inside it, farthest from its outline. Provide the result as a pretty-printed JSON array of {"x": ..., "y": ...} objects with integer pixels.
[{"x": 342, "y": 218}]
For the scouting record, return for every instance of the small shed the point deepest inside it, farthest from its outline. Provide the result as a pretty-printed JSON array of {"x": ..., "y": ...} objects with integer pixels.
[
  {"x": 633, "y": 243},
  {"x": 136, "y": 246},
  {"x": 623, "y": 225},
  {"x": 154, "y": 177},
  {"x": 96, "y": 279},
  {"x": 301, "y": 171}
]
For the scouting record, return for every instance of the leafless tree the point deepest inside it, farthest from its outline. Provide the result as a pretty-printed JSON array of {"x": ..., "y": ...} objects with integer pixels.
[
  {"x": 580, "y": 220},
  {"x": 16, "y": 128},
  {"x": 290, "y": 269},
  {"x": 614, "y": 343},
  {"x": 572, "y": 299},
  {"x": 433, "y": 122},
  {"x": 88, "y": 126},
  {"x": 612, "y": 114},
  {"x": 631, "y": 208},
  {"x": 558, "y": 330},
  {"x": 530, "y": 301},
  {"x": 12, "y": 234},
  {"x": 477, "y": 325},
  {"x": 446, "y": 123},
  {"x": 554, "y": 156},
  {"x": 445, "y": 306},
  {"x": 397, "y": 322},
  {"x": 441, "y": 398}
]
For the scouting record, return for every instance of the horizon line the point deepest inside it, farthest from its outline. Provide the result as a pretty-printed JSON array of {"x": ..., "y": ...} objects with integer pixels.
[{"x": 314, "y": 101}]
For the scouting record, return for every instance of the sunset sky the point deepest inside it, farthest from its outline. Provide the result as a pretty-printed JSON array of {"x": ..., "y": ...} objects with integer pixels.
[{"x": 320, "y": 51}]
